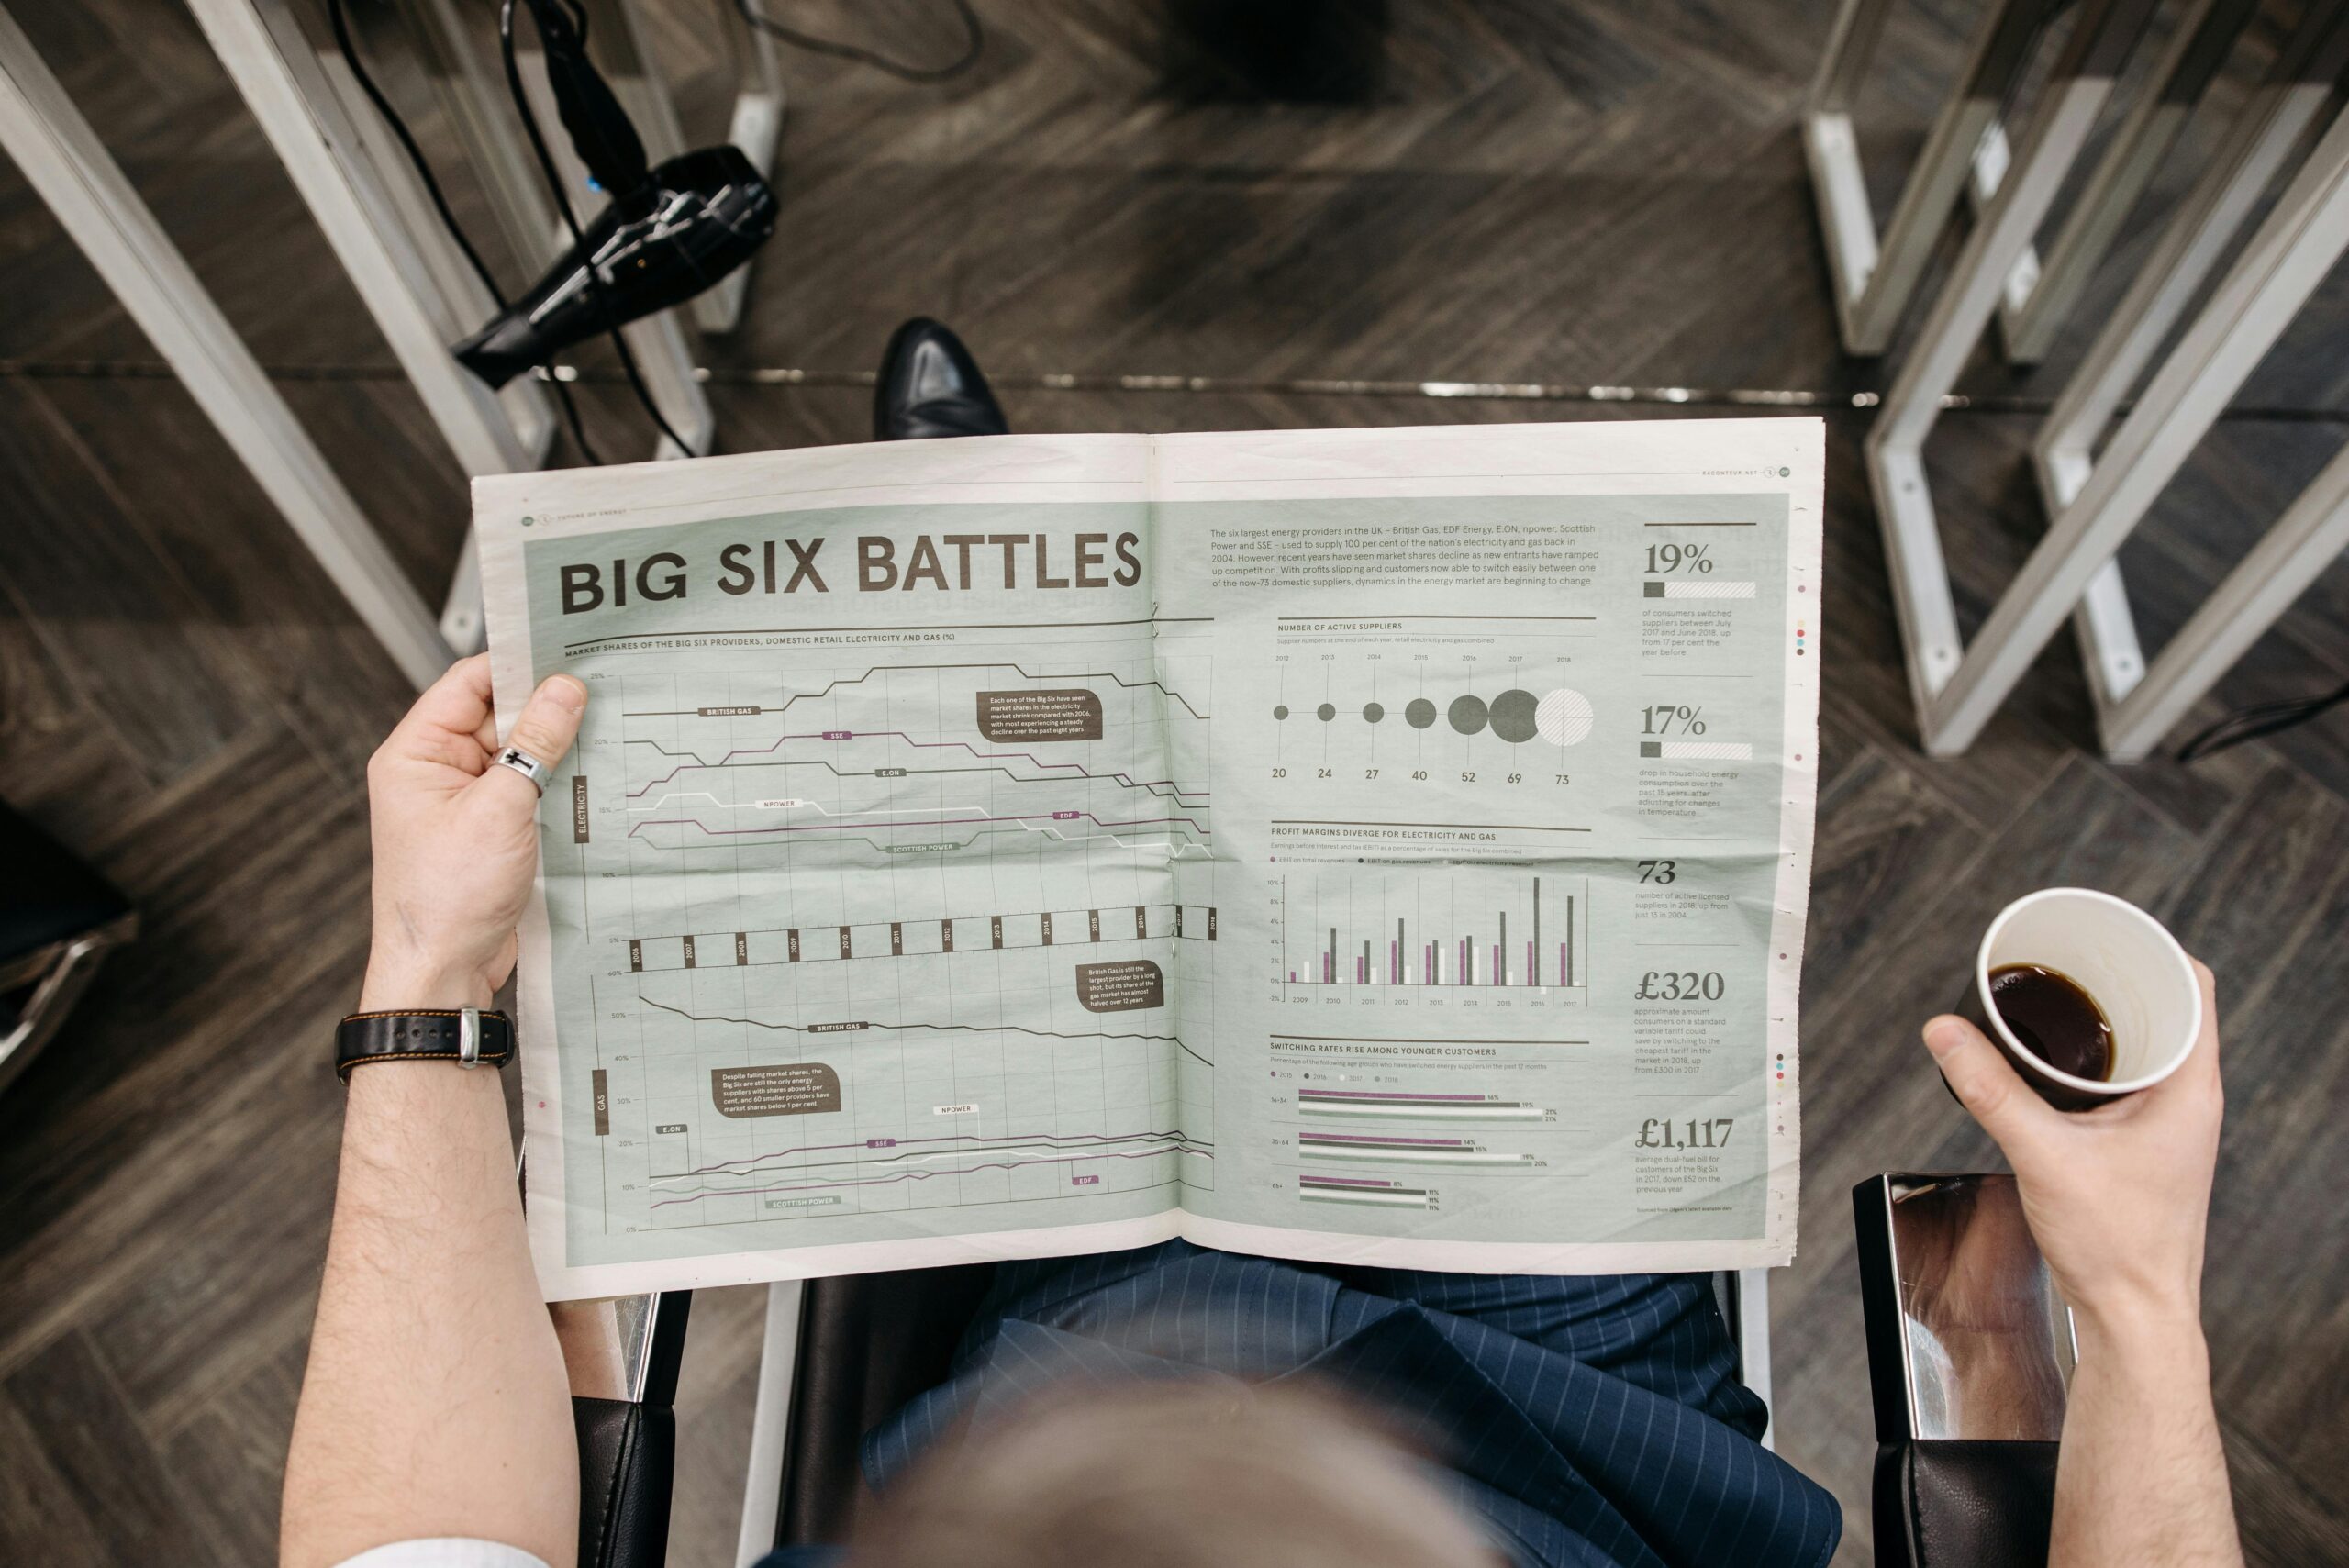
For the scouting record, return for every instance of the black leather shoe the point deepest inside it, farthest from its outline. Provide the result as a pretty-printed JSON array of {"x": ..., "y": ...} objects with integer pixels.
[{"x": 931, "y": 386}]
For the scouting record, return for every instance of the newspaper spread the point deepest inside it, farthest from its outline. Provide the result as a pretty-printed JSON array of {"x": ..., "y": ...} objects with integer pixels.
[{"x": 1373, "y": 846}]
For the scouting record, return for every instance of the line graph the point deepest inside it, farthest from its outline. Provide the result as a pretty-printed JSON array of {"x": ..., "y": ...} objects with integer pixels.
[
  {"x": 857, "y": 1026},
  {"x": 927, "y": 756},
  {"x": 1074, "y": 770},
  {"x": 1175, "y": 1135},
  {"x": 936, "y": 908},
  {"x": 1027, "y": 821},
  {"x": 915, "y": 1175},
  {"x": 827, "y": 689},
  {"x": 970, "y": 1154}
]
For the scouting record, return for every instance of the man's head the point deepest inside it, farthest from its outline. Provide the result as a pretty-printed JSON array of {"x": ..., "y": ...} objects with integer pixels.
[{"x": 1180, "y": 1474}]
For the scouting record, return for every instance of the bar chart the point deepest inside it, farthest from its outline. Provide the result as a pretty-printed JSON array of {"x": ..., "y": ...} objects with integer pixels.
[
  {"x": 1385, "y": 1105},
  {"x": 1441, "y": 928}
]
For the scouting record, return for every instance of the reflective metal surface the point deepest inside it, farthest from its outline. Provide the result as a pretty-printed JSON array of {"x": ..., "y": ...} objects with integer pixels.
[
  {"x": 1961, "y": 1304},
  {"x": 622, "y": 1347}
]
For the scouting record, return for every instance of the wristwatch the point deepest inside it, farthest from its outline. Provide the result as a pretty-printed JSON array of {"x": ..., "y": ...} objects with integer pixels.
[{"x": 470, "y": 1037}]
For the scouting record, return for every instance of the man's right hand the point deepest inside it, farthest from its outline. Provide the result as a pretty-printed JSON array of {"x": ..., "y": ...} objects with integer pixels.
[{"x": 2118, "y": 1197}]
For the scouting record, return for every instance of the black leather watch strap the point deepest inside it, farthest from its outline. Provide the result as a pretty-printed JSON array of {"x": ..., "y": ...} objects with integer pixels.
[{"x": 429, "y": 1034}]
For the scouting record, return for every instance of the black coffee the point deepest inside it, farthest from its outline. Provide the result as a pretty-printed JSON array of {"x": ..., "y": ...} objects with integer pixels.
[{"x": 2054, "y": 1019}]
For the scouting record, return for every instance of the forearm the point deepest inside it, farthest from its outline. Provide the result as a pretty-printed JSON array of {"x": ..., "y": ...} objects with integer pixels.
[
  {"x": 2141, "y": 1475},
  {"x": 435, "y": 1403}
]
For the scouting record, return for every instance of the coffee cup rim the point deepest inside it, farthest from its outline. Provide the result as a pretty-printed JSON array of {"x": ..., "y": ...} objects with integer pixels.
[{"x": 2104, "y": 1086}]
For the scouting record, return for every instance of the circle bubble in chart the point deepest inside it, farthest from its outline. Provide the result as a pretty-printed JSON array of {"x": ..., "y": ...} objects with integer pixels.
[
  {"x": 1326, "y": 712},
  {"x": 1516, "y": 716},
  {"x": 1419, "y": 713},
  {"x": 1281, "y": 712},
  {"x": 1373, "y": 712},
  {"x": 1564, "y": 717},
  {"x": 1466, "y": 715}
]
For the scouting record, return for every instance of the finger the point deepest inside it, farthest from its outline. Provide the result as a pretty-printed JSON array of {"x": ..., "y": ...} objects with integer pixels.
[
  {"x": 2205, "y": 1044},
  {"x": 456, "y": 704},
  {"x": 547, "y": 725},
  {"x": 2197, "y": 1078},
  {"x": 1990, "y": 1090}
]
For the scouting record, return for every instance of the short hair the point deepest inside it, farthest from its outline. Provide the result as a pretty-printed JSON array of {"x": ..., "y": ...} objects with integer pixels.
[{"x": 1190, "y": 1472}]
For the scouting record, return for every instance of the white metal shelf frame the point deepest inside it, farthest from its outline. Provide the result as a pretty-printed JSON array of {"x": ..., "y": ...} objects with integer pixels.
[
  {"x": 2042, "y": 292},
  {"x": 2081, "y": 82},
  {"x": 63, "y": 160},
  {"x": 1874, "y": 276},
  {"x": 2095, "y": 504},
  {"x": 367, "y": 208},
  {"x": 2274, "y": 124}
]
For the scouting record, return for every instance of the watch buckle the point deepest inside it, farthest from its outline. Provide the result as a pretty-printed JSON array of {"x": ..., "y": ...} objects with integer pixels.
[{"x": 469, "y": 1037}]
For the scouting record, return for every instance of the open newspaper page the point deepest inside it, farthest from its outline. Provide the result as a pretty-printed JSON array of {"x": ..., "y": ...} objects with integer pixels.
[
  {"x": 858, "y": 945},
  {"x": 1372, "y": 845},
  {"x": 1515, "y": 755}
]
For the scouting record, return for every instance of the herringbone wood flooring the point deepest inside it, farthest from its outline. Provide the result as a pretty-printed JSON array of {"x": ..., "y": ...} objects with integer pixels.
[{"x": 1561, "y": 190}]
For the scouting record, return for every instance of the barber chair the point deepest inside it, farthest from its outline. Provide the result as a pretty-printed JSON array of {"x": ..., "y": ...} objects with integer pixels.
[
  {"x": 1970, "y": 1355},
  {"x": 840, "y": 1356},
  {"x": 57, "y": 921}
]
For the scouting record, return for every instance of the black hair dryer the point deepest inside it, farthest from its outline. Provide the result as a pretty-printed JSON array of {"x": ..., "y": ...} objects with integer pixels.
[{"x": 694, "y": 219}]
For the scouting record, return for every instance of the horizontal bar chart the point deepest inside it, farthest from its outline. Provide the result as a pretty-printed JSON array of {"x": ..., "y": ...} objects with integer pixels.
[{"x": 1369, "y": 1191}]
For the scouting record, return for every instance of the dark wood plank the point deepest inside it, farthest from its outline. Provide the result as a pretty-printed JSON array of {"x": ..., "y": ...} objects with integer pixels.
[
  {"x": 1608, "y": 192},
  {"x": 109, "y": 610},
  {"x": 229, "y": 1456},
  {"x": 93, "y": 1442},
  {"x": 40, "y": 1520}
]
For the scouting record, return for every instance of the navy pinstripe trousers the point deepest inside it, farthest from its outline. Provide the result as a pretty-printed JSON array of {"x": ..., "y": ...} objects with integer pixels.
[{"x": 1591, "y": 1422}]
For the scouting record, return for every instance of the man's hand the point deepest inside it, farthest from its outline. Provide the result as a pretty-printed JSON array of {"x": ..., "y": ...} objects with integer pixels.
[
  {"x": 456, "y": 839},
  {"x": 436, "y": 1403},
  {"x": 2117, "y": 1197}
]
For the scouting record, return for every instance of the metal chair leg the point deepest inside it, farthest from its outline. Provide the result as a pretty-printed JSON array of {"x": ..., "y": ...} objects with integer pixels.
[{"x": 771, "y": 1424}]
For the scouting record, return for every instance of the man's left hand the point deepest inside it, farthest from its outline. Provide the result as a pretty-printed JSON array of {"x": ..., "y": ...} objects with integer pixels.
[{"x": 456, "y": 838}]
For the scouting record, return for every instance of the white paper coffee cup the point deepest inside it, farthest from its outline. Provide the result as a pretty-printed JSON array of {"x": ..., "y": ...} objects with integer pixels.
[{"x": 2119, "y": 954}]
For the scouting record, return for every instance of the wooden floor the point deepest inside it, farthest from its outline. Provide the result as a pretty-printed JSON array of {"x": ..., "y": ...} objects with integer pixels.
[{"x": 1568, "y": 191}]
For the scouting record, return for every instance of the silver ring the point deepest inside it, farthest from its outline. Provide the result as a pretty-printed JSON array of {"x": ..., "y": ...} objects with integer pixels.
[{"x": 530, "y": 767}]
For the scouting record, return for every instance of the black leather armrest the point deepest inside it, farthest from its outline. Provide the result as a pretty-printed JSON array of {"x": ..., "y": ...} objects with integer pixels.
[
  {"x": 622, "y": 1356},
  {"x": 1955, "y": 1504},
  {"x": 1969, "y": 1355},
  {"x": 627, "y": 1461}
]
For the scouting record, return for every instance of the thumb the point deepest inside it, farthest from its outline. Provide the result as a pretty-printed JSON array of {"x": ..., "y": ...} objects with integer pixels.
[
  {"x": 547, "y": 723},
  {"x": 1990, "y": 1089}
]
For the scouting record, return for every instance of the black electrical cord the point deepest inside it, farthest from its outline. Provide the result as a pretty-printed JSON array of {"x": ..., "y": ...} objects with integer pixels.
[
  {"x": 974, "y": 33},
  {"x": 2262, "y": 719},
  {"x": 343, "y": 41},
  {"x": 563, "y": 201}
]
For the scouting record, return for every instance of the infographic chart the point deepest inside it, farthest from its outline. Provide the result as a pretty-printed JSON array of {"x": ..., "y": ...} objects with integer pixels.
[
  {"x": 1047, "y": 845},
  {"x": 1001, "y": 1038},
  {"x": 1435, "y": 927}
]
